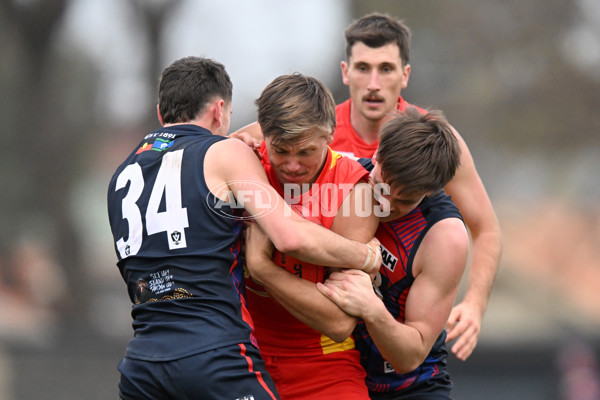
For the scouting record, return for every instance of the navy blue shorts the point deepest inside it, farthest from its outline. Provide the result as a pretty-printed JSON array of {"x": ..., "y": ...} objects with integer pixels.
[
  {"x": 437, "y": 388},
  {"x": 228, "y": 373}
]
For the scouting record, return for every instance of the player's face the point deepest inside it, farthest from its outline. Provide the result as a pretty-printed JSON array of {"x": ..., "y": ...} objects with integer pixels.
[
  {"x": 375, "y": 77},
  {"x": 299, "y": 162},
  {"x": 396, "y": 203}
]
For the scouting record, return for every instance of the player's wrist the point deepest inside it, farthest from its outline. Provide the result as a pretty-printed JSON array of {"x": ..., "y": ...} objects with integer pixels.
[
  {"x": 374, "y": 311},
  {"x": 373, "y": 259},
  {"x": 477, "y": 303}
]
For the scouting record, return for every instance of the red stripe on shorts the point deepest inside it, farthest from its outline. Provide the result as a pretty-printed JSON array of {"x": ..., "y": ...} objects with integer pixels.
[{"x": 258, "y": 373}]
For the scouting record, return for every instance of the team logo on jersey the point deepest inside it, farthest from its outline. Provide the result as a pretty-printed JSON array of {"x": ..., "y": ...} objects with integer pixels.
[
  {"x": 247, "y": 397},
  {"x": 176, "y": 237},
  {"x": 158, "y": 145},
  {"x": 176, "y": 240},
  {"x": 389, "y": 260},
  {"x": 161, "y": 144},
  {"x": 145, "y": 147},
  {"x": 260, "y": 197}
]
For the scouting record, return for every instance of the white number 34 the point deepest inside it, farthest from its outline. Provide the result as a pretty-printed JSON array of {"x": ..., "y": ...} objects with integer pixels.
[{"x": 173, "y": 220}]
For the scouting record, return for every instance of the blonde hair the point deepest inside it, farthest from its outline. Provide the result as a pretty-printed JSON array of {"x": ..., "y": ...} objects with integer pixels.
[{"x": 294, "y": 105}]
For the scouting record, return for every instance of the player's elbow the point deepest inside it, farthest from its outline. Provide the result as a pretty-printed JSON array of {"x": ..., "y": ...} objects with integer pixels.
[
  {"x": 410, "y": 359},
  {"x": 289, "y": 244},
  {"x": 341, "y": 331},
  {"x": 338, "y": 338},
  {"x": 295, "y": 241},
  {"x": 408, "y": 364}
]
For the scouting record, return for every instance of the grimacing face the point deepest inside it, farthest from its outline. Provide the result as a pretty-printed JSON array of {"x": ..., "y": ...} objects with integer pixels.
[
  {"x": 299, "y": 162},
  {"x": 375, "y": 78}
]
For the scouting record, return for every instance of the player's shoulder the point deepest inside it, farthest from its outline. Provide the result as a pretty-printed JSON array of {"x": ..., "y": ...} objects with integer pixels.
[
  {"x": 232, "y": 154},
  {"x": 403, "y": 104},
  {"x": 342, "y": 163},
  {"x": 447, "y": 233},
  {"x": 439, "y": 201},
  {"x": 343, "y": 105},
  {"x": 226, "y": 146}
]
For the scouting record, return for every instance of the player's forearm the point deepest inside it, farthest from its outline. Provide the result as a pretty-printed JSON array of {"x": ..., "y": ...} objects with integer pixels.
[
  {"x": 401, "y": 345},
  {"x": 485, "y": 257},
  {"x": 302, "y": 299},
  {"x": 321, "y": 246}
]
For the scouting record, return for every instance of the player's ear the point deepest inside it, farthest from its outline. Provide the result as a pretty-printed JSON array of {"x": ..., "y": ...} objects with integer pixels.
[
  {"x": 160, "y": 119},
  {"x": 330, "y": 137},
  {"x": 218, "y": 112},
  {"x": 406, "y": 75},
  {"x": 344, "y": 66}
]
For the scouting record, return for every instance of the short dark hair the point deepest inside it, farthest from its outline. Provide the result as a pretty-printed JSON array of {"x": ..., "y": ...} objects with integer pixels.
[
  {"x": 294, "y": 104},
  {"x": 188, "y": 85},
  {"x": 418, "y": 152},
  {"x": 376, "y": 30}
]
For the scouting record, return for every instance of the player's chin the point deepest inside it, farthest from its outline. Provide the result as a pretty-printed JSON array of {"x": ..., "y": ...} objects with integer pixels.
[{"x": 374, "y": 113}]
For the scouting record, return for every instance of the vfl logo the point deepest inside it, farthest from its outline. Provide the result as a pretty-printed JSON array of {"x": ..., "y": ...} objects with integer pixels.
[
  {"x": 176, "y": 237},
  {"x": 222, "y": 202},
  {"x": 176, "y": 240},
  {"x": 247, "y": 397},
  {"x": 389, "y": 260}
]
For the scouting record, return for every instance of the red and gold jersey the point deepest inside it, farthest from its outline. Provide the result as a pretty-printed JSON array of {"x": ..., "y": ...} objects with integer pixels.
[
  {"x": 279, "y": 332},
  {"x": 347, "y": 141}
]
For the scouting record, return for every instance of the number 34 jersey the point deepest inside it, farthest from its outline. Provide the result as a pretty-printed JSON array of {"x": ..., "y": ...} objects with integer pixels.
[{"x": 177, "y": 249}]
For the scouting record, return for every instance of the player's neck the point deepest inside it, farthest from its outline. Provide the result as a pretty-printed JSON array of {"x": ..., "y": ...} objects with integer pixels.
[
  {"x": 205, "y": 123},
  {"x": 367, "y": 130}
]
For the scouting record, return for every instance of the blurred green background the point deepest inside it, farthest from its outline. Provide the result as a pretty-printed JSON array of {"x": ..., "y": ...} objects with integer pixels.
[{"x": 520, "y": 80}]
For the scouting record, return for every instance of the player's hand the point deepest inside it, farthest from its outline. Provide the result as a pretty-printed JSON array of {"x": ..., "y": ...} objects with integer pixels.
[
  {"x": 249, "y": 140},
  {"x": 464, "y": 325},
  {"x": 351, "y": 290}
]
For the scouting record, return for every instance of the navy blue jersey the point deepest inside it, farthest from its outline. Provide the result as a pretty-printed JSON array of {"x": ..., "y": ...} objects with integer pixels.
[
  {"x": 367, "y": 163},
  {"x": 400, "y": 240},
  {"x": 177, "y": 249}
]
